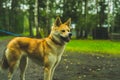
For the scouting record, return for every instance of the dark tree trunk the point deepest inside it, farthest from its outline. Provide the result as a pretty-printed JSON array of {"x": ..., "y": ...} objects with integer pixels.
[
  {"x": 36, "y": 19},
  {"x": 30, "y": 26}
]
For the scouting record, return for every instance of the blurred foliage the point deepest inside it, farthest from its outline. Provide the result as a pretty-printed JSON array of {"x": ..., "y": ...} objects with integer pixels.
[{"x": 19, "y": 16}]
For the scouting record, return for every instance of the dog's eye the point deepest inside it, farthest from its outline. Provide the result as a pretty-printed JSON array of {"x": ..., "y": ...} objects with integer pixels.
[
  {"x": 62, "y": 30},
  {"x": 68, "y": 30}
]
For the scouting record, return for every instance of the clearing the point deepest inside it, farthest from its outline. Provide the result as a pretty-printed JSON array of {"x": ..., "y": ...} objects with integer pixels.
[{"x": 74, "y": 66}]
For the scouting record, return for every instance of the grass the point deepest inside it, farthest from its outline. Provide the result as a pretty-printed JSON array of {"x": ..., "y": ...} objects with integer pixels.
[
  {"x": 5, "y": 37},
  {"x": 94, "y": 46},
  {"x": 89, "y": 46}
]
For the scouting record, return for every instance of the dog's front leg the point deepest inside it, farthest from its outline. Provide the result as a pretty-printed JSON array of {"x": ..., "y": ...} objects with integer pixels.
[
  {"x": 49, "y": 66},
  {"x": 54, "y": 67},
  {"x": 47, "y": 73}
]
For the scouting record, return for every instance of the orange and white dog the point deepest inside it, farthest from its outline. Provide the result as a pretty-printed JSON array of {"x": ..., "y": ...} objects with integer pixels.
[{"x": 47, "y": 51}]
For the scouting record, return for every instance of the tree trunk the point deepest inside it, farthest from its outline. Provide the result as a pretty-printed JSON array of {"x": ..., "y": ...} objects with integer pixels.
[
  {"x": 36, "y": 19},
  {"x": 30, "y": 25},
  {"x": 47, "y": 19},
  {"x": 7, "y": 19},
  {"x": 77, "y": 33},
  {"x": 85, "y": 34},
  {"x": 31, "y": 18},
  {"x": 102, "y": 15},
  {"x": 12, "y": 15}
]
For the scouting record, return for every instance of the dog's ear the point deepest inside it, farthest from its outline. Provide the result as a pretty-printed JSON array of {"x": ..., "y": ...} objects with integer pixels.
[
  {"x": 68, "y": 22},
  {"x": 57, "y": 22}
]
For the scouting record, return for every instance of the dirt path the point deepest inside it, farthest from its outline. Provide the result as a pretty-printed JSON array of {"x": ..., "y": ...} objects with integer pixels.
[{"x": 74, "y": 66}]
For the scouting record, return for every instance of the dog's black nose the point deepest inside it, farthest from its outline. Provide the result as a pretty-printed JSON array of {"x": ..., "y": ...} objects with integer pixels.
[{"x": 70, "y": 34}]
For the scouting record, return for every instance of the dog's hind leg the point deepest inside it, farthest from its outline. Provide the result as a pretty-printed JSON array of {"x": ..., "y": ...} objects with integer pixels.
[
  {"x": 22, "y": 66},
  {"x": 10, "y": 72},
  {"x": 12, "y": 56},
  {"x": 12, "y": 67}
]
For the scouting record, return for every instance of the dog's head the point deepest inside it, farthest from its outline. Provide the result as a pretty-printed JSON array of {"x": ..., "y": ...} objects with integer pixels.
[{"x": 61, "y": 31}]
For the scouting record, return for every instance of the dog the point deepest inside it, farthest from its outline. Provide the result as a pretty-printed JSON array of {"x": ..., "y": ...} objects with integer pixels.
[{"x": 46, "y": 52}]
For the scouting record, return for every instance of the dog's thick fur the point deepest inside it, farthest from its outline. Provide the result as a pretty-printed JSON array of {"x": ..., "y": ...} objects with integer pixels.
[{"x": 47, "y": 51}]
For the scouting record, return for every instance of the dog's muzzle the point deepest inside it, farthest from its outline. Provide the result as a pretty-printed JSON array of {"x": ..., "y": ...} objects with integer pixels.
[{"x": 67, "y": 39}]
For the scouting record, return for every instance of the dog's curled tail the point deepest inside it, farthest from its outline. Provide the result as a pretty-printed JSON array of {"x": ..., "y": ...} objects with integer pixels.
[{"x": 4, "y": 63}]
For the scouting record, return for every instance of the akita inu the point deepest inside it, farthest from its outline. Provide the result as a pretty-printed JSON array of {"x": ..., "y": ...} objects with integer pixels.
[{"x": 47, "y": 51}]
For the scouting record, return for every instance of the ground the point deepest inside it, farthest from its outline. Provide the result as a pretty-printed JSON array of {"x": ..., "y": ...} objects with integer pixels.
[{"x": 74, "y": 66}]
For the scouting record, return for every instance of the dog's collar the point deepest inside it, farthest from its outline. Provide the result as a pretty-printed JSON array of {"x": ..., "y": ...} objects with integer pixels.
[{"x": 56, "y": 42}]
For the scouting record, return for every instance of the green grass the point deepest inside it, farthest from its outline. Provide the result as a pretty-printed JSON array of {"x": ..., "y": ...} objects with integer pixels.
[
  {"x": 89, "y": 46},
  {"x": 5, "y": 37},
  {"x": 94, "y": 46}
]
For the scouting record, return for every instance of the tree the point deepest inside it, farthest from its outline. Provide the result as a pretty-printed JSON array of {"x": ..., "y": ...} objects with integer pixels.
[
  {"x": 16, "y": 17},
  {"x": 36, "y": 19},
  {"x": 1, "y": 14},
  {"x": 4, "y": 15},
  {"x": 85, "y": 14},
  {"x": 102, "y": 14},
  {"x": 31, "y": 17},
  {"x": 116, "y": 24}
]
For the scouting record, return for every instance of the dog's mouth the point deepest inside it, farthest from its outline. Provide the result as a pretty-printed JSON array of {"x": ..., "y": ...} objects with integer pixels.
[{"x": 66, "y": 39}]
